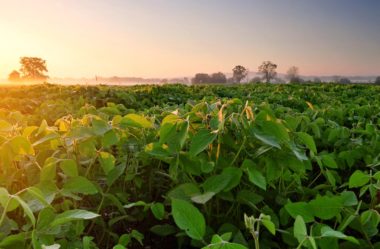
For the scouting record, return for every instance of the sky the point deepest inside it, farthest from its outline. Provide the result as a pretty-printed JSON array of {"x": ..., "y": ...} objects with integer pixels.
[{"x": 176, "y": 38}]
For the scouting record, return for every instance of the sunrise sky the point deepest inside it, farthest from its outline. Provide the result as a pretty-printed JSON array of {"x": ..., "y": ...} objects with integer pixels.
[{"x": 172, "y": 38}]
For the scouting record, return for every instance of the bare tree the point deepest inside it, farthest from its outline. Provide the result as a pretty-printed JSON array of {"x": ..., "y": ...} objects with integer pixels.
[
  {"x": 255, "y": 80},
  {"x": 344, "y": 81},
  {"x": 292, "y": 75},
  {"x": 336, "y": 78},
  {"x": 239, "y": 73},
  {"x": 377, "y": 81},
  {"x": 268, "y": 69}
]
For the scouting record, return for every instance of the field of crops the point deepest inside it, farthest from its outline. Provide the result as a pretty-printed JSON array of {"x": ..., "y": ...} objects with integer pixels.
[{"x": 232, "y": 167}]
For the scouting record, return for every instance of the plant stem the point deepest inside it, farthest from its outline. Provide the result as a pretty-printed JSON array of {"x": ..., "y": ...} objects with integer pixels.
[
  {"x": 300, "y": 245},
  {"x": 98, "y": 209},
  {"x": 4, "y": 212},
  {"x": 256, "y": 239},
  {"x": 238, "y": 153}
]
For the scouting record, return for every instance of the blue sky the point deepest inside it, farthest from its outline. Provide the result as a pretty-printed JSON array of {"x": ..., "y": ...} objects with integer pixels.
[{"x": 165, "y": 38}]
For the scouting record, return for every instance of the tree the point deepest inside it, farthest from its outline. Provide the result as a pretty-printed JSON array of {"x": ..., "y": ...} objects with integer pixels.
[
  {"x": 344, "y": 81},
  {"x": 278, "y": 80},
  {"x": 239, "y": 73},
  {"x": 164, "y": 81},
  {"x": 268, "y": 69},
  {"x": 201, "y": 78},
  {"x": 218, "y": 78},
  {"x": 317, "y": 80},
  {"x": 33, "y": 68},
  {"x": 293, "y": 75},
  {"x": 14, "y": 76},
  {"x": 255, "y": 80},
  {"x": 336, "y": 79},
  {"x": 230, "y": 80},
  {"x": 377, "y": 81}
]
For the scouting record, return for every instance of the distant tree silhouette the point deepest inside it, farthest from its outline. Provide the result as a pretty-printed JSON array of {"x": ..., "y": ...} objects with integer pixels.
[
  {"x": 344, "y": 81},
  {"x": 336, "y": 78},
  {"x": 14, "y": 76},
  {"x": 218, "y": 78},
  {"x": 206, "y": 78},
  {"x": 292, "y": 75},
  {"x": 317, "y": 80},
  {"x": 201, "y": 78},
  {"x": 255, "y": 80},
  {"x": 33, "y": 68},
  {"x": 268, "y": 69},
  {"x": 230, "y": 80},
  {"x": 377, "y": 81},
  {"x": 279, "y": 80},
  {"x": 239, "y": 73}
]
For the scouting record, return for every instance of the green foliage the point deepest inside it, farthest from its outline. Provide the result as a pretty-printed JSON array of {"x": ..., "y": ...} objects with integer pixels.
[
  {"x": 188, "y": 218},
  {"x": 175, "y": 166}
]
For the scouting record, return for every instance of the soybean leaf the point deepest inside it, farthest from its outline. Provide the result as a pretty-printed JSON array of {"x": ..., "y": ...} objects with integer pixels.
[
  {"x": 299, "y": 229},
  {"x": 325, "y": 207},
  {"x": 312, "y": 242},
  {"x": 358, "y": 179},
  {"x": 257, "y": 178},
  {"x": 201, "y": 140},
  {"x": 349, "y": 198},
  {"x": 249, "y": 197},
  {"x": 219, "y": 243},
  {"x": 27, "y": 211},
  {"x": 100, "y": 127},
  {"x": 327, "y": 231},
  {"x": 107, "y": 161},
  {"x": 267, "y": 139},
  {"x": 308, "y": 141},
  {"x": 234, "y": 175},
  {"x": 69, "y": 167},
  {"x": 163, "y": 230},
  {"x": 134, "y": 120},
  {"x": 216, "y": 183},
  {"x": 115, "y": 173},
  {"x": 300, "y": 209},
  {"x": 203, "y": 198},
  {"x": 270, "y": 226},
  {"x": 328, "y": 161},
  {"x": 110, "y": 138},
  {"x": 37, "y": 194},
  {"x": 21, "y": 146},
  {"x": 184, "y": 192},
  {"x": 188, "y": 218},
  {"x": 5, "y": 126},
  {"x": 71, "y": 215},
  {"x": 158, "y": 210},
  {"x": 80, "y": 185},
  {"x": 14, "y": 241}
]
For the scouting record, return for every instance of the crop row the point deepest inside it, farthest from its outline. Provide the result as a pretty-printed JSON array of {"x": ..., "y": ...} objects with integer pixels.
[{"x": 250, "y": 166}]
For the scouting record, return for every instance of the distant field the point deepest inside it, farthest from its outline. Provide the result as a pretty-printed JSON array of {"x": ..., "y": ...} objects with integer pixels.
[{"x": 274, "y": 166}]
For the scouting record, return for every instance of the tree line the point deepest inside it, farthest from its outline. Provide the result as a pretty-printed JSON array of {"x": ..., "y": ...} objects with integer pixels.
[
  {"x": 34, "y": 69},
  {"x": 31, "y": 69},
  {"x": 268, "y": 73},
  {"x": 239, "y": 72}
]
